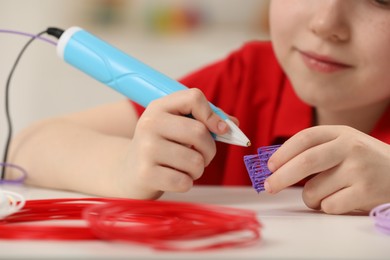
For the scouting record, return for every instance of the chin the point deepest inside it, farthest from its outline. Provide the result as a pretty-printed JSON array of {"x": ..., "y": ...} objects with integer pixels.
[{"x": 317, "y": 99}]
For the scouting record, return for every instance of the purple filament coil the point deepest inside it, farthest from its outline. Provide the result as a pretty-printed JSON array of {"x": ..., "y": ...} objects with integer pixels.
[
  {"x": 381, "y": 216},
  {"x": 18, "y": 180},
  {"x": 256, "y": 165}
]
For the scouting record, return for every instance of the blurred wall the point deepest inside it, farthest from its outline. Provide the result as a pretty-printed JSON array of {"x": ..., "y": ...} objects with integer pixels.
[{"x": 173, "y": 36}]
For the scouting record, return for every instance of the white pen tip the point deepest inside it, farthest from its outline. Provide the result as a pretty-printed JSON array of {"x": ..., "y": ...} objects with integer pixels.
[{"x": 234, "y": 136}]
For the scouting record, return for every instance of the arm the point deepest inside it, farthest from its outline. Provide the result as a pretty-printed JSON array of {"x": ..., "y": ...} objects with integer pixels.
[
  {"x": 108, "y": 151},
  {"x": 349, "y": 169},
  {"x": 75, "y": 151}
]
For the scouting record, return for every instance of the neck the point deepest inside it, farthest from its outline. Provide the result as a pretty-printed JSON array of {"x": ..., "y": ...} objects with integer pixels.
[{"x": 363, "y": 119}]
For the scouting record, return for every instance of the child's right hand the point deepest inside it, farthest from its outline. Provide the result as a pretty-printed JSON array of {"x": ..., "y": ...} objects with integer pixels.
[{"x": 170, "y": 150}]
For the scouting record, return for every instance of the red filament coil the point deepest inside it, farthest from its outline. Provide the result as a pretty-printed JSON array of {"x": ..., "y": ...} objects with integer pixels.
[{"x": 163, "y": 225}]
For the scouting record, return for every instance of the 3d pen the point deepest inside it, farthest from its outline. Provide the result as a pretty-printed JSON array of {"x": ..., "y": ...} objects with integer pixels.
[{"x": 127, "y": 75}]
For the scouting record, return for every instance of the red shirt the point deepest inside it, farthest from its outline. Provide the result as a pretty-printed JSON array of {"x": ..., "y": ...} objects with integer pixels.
[{"x": 250, "y": 85}]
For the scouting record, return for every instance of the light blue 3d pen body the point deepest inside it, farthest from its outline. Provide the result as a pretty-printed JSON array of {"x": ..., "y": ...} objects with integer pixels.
[{"x": 127, "y": 75}]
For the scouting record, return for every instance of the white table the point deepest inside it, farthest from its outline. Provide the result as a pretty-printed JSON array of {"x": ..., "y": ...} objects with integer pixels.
[{"x": 290, "y": 231}]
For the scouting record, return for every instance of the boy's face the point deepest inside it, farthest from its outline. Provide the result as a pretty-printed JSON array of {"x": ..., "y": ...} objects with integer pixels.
[{"x": 335, "y": 52}]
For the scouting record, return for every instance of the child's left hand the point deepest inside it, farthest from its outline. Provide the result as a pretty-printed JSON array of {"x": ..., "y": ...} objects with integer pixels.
[{"x": 350, "y": 170}]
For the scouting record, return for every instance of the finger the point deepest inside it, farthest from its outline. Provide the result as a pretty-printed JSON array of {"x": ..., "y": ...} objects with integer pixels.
[
  {"x": 187, "y": 131},
  {"x": 168, "y": 179},
  {"x": 193, "y": 102},
  {"x": 314, "y": 160},
  {"x": 323, "y": 185},
  {"x": 299, "y": 143},
  {"x": 342, "y": 201},
  {"x": 180, "y": 158}
]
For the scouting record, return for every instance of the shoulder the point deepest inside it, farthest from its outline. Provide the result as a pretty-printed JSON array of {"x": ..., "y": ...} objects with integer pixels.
[
  {"x": 254, "y": 59},
  {"x": 252, "y": 56},
  {"x": 250, "y": 73},
  {"x": 251, "y": 51}
]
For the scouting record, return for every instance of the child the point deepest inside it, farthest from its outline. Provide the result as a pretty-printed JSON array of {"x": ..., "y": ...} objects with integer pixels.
[{"x": 321, "y": 88}]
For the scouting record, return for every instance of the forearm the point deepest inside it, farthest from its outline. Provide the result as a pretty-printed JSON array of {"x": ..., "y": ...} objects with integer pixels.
[
  {"x": 64, "y": 155},
  {"x": 109, "y": 151}
]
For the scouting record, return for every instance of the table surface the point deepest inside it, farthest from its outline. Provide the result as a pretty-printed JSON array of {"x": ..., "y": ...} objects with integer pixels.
[{"x": 290, "y": 231}]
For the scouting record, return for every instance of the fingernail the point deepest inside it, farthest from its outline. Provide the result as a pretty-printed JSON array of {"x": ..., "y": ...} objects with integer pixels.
[
  {"x": 222, "y": 125},
  {"x": 271, "y": 166},
  {"x": 267, "y": 187}
]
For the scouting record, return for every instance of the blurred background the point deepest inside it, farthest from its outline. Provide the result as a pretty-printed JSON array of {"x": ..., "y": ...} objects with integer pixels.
[{"x": 173, "y": 36}]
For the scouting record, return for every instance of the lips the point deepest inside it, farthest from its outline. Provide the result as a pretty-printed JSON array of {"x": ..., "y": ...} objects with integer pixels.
[{"x": 323, "y": 64}]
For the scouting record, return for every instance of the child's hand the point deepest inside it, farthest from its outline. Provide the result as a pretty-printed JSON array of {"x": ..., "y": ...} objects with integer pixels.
[
  {"x": 350, "y": 170},
  {"x": 170, "y": 150}
]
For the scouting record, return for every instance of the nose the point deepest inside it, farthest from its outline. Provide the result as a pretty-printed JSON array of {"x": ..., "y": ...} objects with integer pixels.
[{"x": 330, "y": 21}]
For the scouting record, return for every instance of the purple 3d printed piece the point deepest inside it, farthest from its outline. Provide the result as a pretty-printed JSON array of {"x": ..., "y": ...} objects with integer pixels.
[
  {"x": 256, "y": 165},
  {"x": 381, "y": 216}
]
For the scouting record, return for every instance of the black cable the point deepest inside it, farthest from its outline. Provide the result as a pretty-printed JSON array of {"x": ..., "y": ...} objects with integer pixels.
[{"x": 7, "y": 110}]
